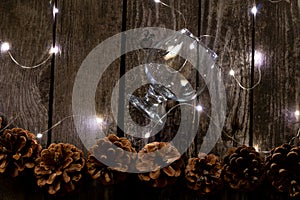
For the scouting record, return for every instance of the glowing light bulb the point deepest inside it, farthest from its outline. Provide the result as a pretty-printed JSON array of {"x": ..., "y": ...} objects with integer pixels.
[
  {"x": 54, "y": 50},
  {"x": 258, "y": 58},
  {"x": 99, "y": 120},
  {"x": 39, "y": 135},
  {"x": 231, "y": 72},
  {"x": 254, "y": 10},
  {"x": 157, "y": 1},
  {"x": 199, "y": 108},
  {"x": 55, "y": 11},
  {"x": 192, "y": 46},
  {"x": 256, "y": 147},
  {"x": 147, "y": 135},
  {"x": 297, "y": 113},
  {"x": 5, "y": 47}
]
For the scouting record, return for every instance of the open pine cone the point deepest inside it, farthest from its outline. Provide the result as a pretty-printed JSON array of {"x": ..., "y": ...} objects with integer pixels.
[
  {"x": 59, "y": 168},
  {"x": 283, "y": 169},
  {"x": 18, "y": 151},
  {"x": 203, "y": 174},
  {"x": 112, "y": 150},
  {"x": 243, "y": 168},
  {"x": 150, "y": 158}
]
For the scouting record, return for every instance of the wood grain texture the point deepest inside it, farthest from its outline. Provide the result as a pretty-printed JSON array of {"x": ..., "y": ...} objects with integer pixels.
[
  {"x": 277, "y": 97},
  {"x": 81, "y": 27},
  {"x": 24, "y": 92},
  {"x": 24, "y": 99},
  {"x": 228, "y": 26}
]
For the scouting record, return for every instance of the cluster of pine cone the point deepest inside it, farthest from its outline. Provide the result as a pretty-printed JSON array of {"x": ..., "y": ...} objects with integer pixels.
[
  {"x": 61, "y": 167},
  {"x": 243, "y": 169}
]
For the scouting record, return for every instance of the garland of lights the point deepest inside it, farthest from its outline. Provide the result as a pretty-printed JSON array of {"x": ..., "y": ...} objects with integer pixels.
[{"x": 61, "y": 168}]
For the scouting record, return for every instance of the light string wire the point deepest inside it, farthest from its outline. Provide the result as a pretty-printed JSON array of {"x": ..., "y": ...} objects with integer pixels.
[
  {"x": 39, "y": 134},
  {"x": 201, "y": 111},
  {"x": 277, "y": 1},
  {"x": 172, "y": 8},
  {"x": 5, "y": 47},
  {"x": 232, "y": 72},
  {"x": 297, "y": 136},
  {"x": 10, "y": 123}
]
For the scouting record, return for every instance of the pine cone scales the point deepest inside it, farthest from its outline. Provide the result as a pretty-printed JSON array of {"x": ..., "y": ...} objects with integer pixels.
[
  {"x": 243, "y": 168},
  {"x": 112, "y": 150},
  {"x": 149, "y": 158},
  {"x": 59, "y": 168},
  {"x": 18, "y": 151},
  {"x": 0, "y": 123},
  {"x": 203, "y": 174},
  {"x": 283, "y": 169}
]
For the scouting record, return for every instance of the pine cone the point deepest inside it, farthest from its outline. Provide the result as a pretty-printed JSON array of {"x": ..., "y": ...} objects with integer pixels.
[
  {"x": 283, "y": 169},
  {"x": 112, "y": 150},
  {"x": 203, "y": 174},
  {"x": 150, "y": 158},
  {"x": 59, "y": 168},
  {"x": 0, "y": 123},
  {"x": 18, "y": 151},
  {"x": 243, "y": 168}
]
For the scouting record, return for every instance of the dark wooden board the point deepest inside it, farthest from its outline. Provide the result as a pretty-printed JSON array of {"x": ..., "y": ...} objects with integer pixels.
[
  {"x": 228, "y": 26},
  {"x": 277, "y": 97},
  {"x": 82, "y": 26},
  {"x": 24, "y": 93}
]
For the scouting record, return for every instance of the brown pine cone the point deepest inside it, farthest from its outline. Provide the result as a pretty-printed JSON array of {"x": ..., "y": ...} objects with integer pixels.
[
  {"x": 150, "y": 158},
  {"x": 0, "y": 123},
  {"x": 203, "y": 174},
  {"x": 283, "y": 169},
  {"x": 111, "y": 150},
  {"x": 18, "y": 151},
  {"x": 59, "y": 168},
  {"x": 243, "y": 168}
]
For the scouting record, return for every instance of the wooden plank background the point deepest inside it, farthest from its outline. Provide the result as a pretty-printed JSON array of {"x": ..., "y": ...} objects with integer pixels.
[{"x": 38, "y": 98}]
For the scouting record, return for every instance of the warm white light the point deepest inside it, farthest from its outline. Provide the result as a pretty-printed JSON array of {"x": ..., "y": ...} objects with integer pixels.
[
  {"x": 199, "y": 108},
  {"x": 184, "y": 82},
  {"x": 256, "y": 148},
  {"x": 258, "y": 58},
  {"x": 5, "y": 46},
  {"x": 54, "y": 50},
  {"x": 39, "y": 135},
  {"x": 192, "y": 46},
  {"x": 99, "y": 120},
  {"x": 254, "y": 10},
  {"x": 55, "y": 11},
  {"x": 231, "y": 72},
  {"x": 157, "y": 1},
  {"x": 182, "y": 31},
  {"x": 147, "y": 135},
  {"x": 297, "y": 113},
  {"x": 173, "y": 51}
]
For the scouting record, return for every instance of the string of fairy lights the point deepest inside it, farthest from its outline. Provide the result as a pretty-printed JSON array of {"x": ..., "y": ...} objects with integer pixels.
[{"x": 6, "y": 47}]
